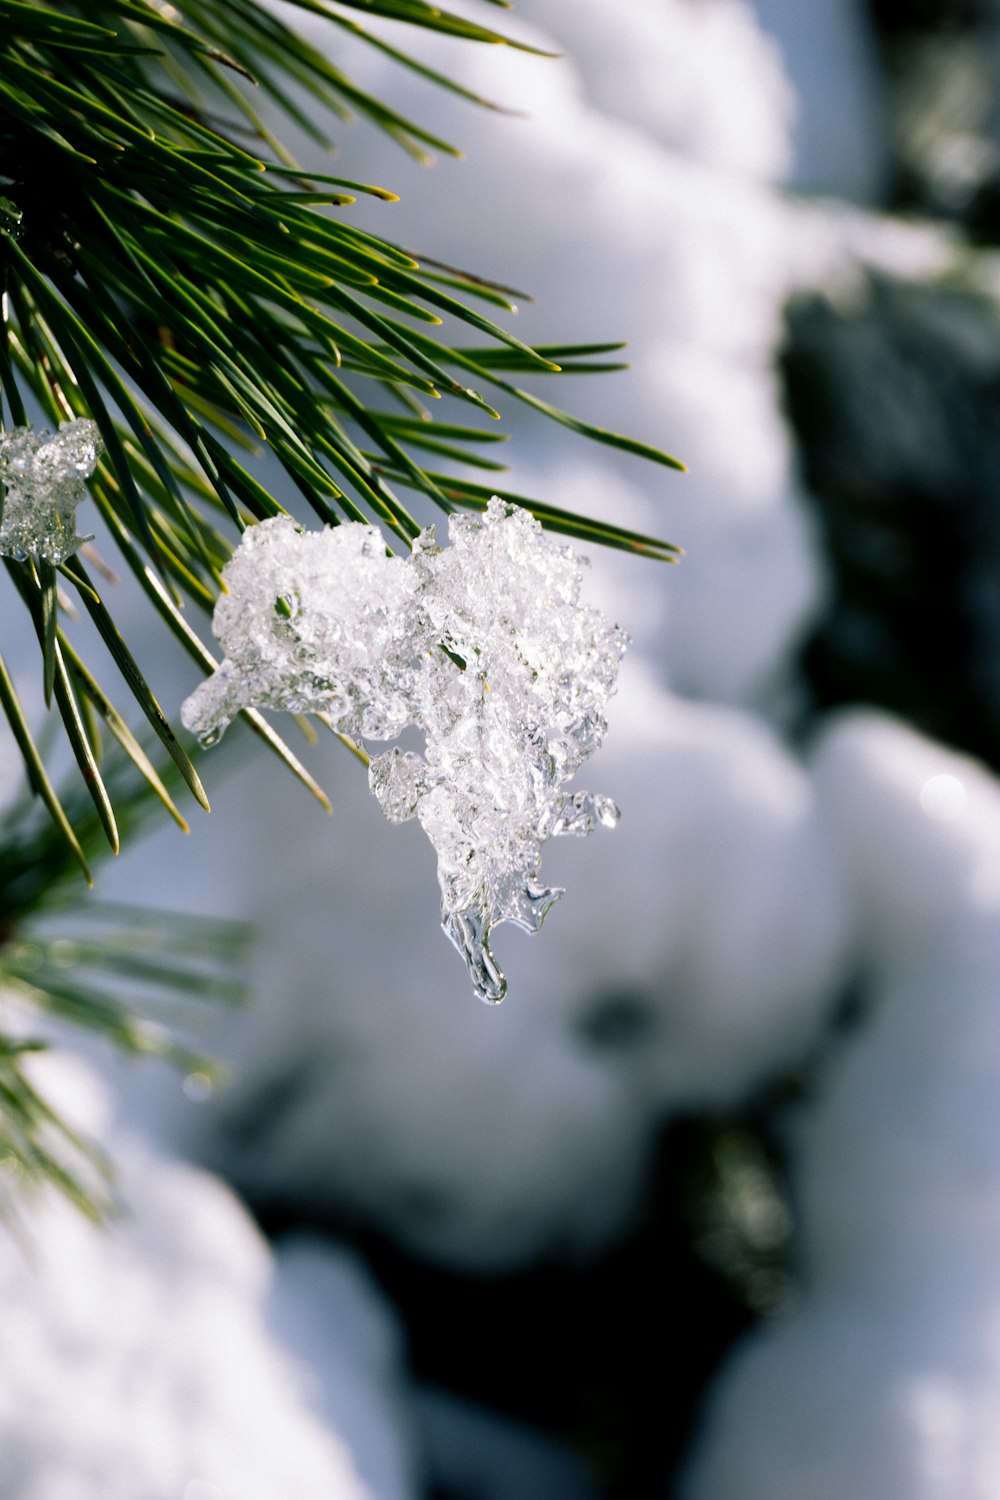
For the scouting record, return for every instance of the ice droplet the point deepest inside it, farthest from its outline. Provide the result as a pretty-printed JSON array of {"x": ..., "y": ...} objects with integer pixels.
[
  {"x": 10, "y": 218},
  {"x": 484, "y": 646},
  {"x": 43, "y": 476},
  {"x": 469, "y": 932}
]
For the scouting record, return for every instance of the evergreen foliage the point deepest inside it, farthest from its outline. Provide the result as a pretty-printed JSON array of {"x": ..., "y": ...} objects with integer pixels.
[{"x": 173, "y": 274}]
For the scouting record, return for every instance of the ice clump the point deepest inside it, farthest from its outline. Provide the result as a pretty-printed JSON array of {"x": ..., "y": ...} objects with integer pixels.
[
  {"x": 484, "y": 646},
  {"x": 311, "y": 622},
  {"x": 43, "y": 474}
]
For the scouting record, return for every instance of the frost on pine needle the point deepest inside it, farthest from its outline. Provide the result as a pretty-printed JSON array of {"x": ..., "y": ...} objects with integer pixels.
[
  {"x": 484, "y": 646},
  {"x": 43, "y": 477}
]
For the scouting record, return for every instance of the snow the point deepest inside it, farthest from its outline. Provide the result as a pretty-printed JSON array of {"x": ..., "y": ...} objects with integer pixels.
[
  {"x": 885, "y": 1380},
  {"x": 705, "y": 80},
  {"x": 151, "y": 1359},
  {"x": 325, "y": 1311}
]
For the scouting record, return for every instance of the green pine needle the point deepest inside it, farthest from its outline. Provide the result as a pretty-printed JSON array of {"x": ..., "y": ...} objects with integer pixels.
[{"x": 172, "y": 273}]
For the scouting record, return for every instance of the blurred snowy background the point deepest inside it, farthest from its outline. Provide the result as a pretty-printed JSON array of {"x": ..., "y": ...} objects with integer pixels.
[{"x": 710, "y": 1207}]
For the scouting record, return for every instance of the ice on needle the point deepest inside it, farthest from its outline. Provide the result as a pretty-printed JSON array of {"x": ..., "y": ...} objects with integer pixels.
[
  {"x": 485, "y": 646},
  {"x": 43, "y": 477}
]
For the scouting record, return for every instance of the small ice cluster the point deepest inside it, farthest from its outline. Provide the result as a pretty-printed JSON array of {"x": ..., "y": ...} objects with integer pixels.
[
  {"x": 484, "y": 646},
  {"x": 43, "y": 475}
]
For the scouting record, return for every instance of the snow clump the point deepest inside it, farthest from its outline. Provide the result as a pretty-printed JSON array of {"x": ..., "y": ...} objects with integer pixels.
[
  {"x": 884, "y": 1379},
  {"x": 162, "y": 1356}
]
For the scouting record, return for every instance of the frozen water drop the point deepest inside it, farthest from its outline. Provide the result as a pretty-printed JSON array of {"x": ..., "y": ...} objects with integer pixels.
[
  {"x": 339, "y": 648},
  {"x": 469, "y": 932},
  {"x": 10, "y": 218}
]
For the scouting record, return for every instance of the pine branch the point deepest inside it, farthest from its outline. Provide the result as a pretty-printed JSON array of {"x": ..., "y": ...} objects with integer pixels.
[
  {"x": 173, "y": 275},
  {"x": 183, "y": 288},
  {"x": 142, "y": 980}
]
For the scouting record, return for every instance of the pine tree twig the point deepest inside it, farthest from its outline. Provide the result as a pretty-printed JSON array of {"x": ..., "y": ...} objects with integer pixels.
[{"x": 171, "y": 273}]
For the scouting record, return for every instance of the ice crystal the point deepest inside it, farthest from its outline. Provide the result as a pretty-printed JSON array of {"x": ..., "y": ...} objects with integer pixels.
[
  {"x": 312, "y": 621},
  {"x": 484, "y": 646},
  {"x": 43, "y": 476},
  {"x": 10, "y": 218}
]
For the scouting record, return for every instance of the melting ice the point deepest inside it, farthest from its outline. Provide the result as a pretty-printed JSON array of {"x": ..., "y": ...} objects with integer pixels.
[
  {"x": 43, "y": 474},
  {"x": 484, "y": 646}
]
